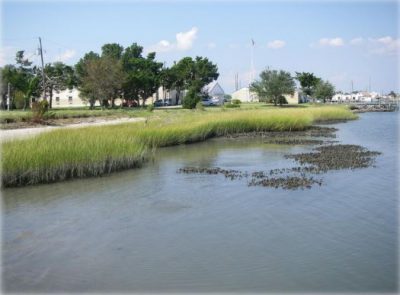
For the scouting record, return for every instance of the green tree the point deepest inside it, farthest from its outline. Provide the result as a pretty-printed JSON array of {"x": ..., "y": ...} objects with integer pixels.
[
  {"x": 23, "y": 80},
  {"x": 273, "y": 84},
  {"x": 80, "y": 67},
  {"x": 81, "y": 73},
  {"x": 112, "y": 50},
  {"x": 142, "y": 74},
  {"x": 103, "y": 77},
  {"x": 59, "y": 76},
  {"x": 193, "y": 74},
  {"x": 178, "y": 75},
  {"x": 308, "y": 82},
  {"x": 324, "y": 90}
]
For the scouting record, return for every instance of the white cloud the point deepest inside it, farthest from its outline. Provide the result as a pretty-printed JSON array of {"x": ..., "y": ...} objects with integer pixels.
[
  {"x": 276, "y": 44},
  {"x": 334, "y": 42},
  {"x": 184, "y": 41},
  {"x": 66, "y": 55},
  {"x": 356, "y": 41},
  {"x": 384, "y": 45}
]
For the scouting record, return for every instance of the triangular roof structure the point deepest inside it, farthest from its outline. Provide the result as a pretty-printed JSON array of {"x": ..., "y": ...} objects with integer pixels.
[{"x": 209, "y": 87}]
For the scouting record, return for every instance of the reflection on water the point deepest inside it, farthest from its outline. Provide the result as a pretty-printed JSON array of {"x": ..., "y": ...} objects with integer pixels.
[{"x": 153, "y": 229}]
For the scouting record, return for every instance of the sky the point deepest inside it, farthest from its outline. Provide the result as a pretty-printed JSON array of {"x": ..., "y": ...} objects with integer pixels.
[{"x": 353, "y": 42}]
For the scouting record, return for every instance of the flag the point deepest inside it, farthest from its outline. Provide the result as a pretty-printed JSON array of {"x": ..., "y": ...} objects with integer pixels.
[{"x": 252, "y": 42}]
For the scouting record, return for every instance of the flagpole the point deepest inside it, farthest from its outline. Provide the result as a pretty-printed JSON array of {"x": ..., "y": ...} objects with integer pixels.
[{"x": 252, "y": 62}]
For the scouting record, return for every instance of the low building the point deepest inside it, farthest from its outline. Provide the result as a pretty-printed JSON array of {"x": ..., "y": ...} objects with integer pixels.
[
  {"x": 172, "y": 95},
  {"x": 245, "y": 95},
  {"x": 68, "y": 98},
  {"x": 296, "y": 98},
  {"x": 360, "y": 96}
]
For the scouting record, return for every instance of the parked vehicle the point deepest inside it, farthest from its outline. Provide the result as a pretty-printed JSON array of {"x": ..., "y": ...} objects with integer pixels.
[
  {"x": 161, "y": 102},
  {"x": 168, "y": 102},
  {"x": 215, "y": 101},
  {"x": 158, "y": 103},
  {"x": 130, "y": 103},
  {"x": 207, "y": 102}
]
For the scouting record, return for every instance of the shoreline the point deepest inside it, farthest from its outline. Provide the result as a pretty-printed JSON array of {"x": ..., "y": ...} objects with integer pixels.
[
  {"x": 92, "y": 152},
  {"x": 22, "y": 133}
]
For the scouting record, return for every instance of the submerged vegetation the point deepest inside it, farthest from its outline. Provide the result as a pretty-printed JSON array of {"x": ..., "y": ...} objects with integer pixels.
[
  {"x": 325, "y": 158},
  {"x": 95, "y": 151}
]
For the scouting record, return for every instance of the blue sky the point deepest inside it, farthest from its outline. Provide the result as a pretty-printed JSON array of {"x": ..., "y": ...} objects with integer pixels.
[{"x": 338, "y": 41}]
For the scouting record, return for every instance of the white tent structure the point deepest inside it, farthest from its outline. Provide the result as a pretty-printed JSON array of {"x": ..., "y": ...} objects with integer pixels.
[{"x": 214, "y": 91}]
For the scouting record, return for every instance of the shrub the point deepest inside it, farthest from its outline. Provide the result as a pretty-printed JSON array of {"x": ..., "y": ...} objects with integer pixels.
[
  {"x": 282, "y": 100},
  {"x": 353, "y": 107},
  {"x": 231, "y": 105},
  {"x": 199, "y": 106},
  {"x": 19, "y": 100},
  {"x": 150, "y": 108},
  {"x": 39, "y": 109},
  {"x": 235, "y": 101},
  {"x": 191, "y": 98}
]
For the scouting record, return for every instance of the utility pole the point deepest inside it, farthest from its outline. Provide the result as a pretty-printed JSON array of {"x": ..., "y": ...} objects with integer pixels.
[
  {"x": 369, "y": 85},
  {"x": 8, "y": 97},
  {"x": 43, "y": 76},
  {"x": 236, "y": 82}
]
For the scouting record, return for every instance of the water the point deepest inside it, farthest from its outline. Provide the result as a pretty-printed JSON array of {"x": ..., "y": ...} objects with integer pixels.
[{"x": 153, "y": 229}]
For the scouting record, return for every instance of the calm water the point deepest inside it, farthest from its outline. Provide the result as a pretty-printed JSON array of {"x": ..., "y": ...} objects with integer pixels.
[{"x": 152, "y": 229}]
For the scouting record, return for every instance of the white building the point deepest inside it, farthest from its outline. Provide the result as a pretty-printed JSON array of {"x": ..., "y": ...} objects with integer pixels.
[
  {"x": 245, "y": 95},
  {"x": 68, "y": 98},
  {"x": 172, "y": 95},
  {"x": 296, "y": 98},
  {"x": 215, "y": 92},
  {"x": 361, "y": 96}
]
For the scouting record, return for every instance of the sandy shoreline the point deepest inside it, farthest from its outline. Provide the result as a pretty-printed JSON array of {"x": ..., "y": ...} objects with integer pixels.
[{"x": 11, "y": 134}]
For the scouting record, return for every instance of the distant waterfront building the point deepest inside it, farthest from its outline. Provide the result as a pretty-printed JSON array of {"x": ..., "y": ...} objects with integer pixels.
[
  {"x": 245, "y": 95},
  {"x": 360, "y": 96}
]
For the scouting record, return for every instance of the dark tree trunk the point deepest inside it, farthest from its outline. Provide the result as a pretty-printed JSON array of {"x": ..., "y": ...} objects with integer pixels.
[
  {"x": 177, "y": 96},
  {"x": 51, "y": 98}
]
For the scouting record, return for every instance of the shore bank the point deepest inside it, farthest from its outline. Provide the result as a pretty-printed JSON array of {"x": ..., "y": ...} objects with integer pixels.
[
  {"x": 21, "y": 133},
  {"x": 95, "y": 151}
]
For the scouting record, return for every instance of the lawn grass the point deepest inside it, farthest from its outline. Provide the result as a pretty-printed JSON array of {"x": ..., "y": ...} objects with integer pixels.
[{"x": 95, "y": 151}]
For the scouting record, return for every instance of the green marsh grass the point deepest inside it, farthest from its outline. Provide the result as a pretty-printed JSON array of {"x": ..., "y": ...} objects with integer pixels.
[{"x": 94, "y": 151}]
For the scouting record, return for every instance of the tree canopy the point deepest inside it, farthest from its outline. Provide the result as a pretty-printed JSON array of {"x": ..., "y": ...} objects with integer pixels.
[
  {"x": 324, "y": 90},
  {"x": 114, "y": 72},
  {"x": 272, "y": 86},
  {"x": 308, "y": 82}
]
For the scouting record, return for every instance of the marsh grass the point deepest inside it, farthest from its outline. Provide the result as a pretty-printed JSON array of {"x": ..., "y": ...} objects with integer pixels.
[{"x": 96, "y": 151}]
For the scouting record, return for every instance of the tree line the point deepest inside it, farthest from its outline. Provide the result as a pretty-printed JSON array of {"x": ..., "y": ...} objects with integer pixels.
[
  {"x": 273, "y": 85},
  {"x": 116, "y": 72}
]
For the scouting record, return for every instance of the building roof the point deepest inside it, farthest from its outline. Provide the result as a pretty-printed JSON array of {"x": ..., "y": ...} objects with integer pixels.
[{"x": 209, "y": 87}]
